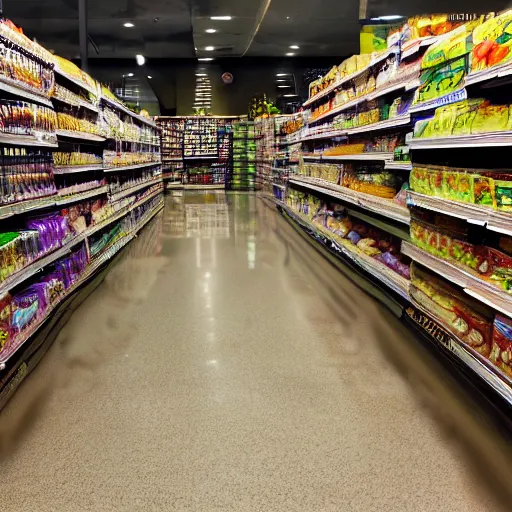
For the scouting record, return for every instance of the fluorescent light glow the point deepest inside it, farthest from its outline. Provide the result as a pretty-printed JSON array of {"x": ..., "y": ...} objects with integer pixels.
[
  {"x": 150, "y": 77},
  {"x": 289, "y": 95},
  {"x": 128, "y": 24},
  {"x": 129, "y": 74},
  {"x": 283, "y": 86},
  {"x": 282, "y": 74},
  {"x": 290, "y": 54},
  {"x": 388, "y": 18},
  {"x": 282, "y": 80},
  {"x": 201, "y": 74},
  {"x": 210, "y": 48},
  {"x": 210, "y": 31},
  {"x": 294, "y": 47},
  {"x": 141, "y": 60},
  {"x": 205, "y": 59},
  {"x": 220, "y": 18}
]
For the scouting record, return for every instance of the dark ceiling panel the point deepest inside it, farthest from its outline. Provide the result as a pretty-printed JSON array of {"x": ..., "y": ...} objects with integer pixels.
[
  {"x": 162, "y": 27},
  {"x": 322, "y": 27}
]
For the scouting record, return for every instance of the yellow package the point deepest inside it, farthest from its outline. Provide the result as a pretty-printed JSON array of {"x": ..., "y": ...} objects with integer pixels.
[{"x": 491, "y": 118}]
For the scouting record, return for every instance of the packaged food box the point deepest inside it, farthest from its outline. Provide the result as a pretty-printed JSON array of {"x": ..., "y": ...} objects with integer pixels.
[
  {"x": 419, "y": 180},
  {"x": 484, "y": 194},
  {"x": 435, "y": 178},
  {"x": 501, "y": 351},
  {"x": 503, "y": 192},
  {"x": 491, "y": 118}
]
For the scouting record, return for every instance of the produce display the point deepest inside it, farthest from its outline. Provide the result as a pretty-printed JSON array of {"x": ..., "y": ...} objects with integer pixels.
[{"x": 25, "y": 174}]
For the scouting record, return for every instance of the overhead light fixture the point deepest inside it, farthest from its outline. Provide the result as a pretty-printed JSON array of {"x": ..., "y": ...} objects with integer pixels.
[
  {"x": 130, "y": 74},
  {"x": 290, "y": 54},
  {"x": 290, "y": 95},
  {"x": 294, "y": 47},
  {"x": 201, "y": 74},
  {"x": 128, "y": 24},
  {"x": 210, "y": 48},
  {"x": 287, "y": 17},
  {"x": 283, "y": 86},
  {"x": 282, "y": 80},
  {"x": 205, "y": 59},
  {"x": 388, "y": 18},
  {"x": 220, "y": 18},
  {"x": 150, "y": 77},
  {"x": 141, "y": 60},
  {"x": 210, "y": 31},
  {"x": 282, "y": 74}
]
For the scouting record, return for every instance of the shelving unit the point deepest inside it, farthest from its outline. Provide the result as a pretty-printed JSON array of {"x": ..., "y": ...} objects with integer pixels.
[
  {"x": 72, "y": 169},
  {"x": 343, "y": 114}
]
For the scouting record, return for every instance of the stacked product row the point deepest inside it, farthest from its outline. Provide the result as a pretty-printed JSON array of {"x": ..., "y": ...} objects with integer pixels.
[
  {"x": 197, "y": 150},
  {"x": 80, "y": 175}
]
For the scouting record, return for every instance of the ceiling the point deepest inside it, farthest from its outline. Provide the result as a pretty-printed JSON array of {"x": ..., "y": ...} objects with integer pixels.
[{"x": 174, "y": 28}]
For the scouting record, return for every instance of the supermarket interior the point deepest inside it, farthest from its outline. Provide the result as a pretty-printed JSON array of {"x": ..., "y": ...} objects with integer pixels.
[{"x": 255, "y": 256}]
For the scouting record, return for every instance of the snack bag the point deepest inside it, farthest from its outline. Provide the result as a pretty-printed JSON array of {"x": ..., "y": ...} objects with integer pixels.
[
  {"x": 5, "y": 321},
  {"x": 503, "y": 192},
  {"x": 435, "y": 178},
  {"x": 492, "y": 42},
  {"x": 419, "y": 180},
  {"x": 500, "y": 269},
  {"x": 484, "y": 190},
  {"x": 450, "y": 184},
  {"x": 466, "y": 188},
  {"x": 501, "y": 351},
  {"x": 469, "y": 320}
]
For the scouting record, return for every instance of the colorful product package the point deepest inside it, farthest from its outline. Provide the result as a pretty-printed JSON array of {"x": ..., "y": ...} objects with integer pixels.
[
  {"x": 492, "y": 42},
  {"x": 468, "y": 319},
  {"x": 5, "y": 321},
  {"x": 491, "y": 118},
  {"x": 503, "y": 191},
  {"x": 501, "y": 352}
]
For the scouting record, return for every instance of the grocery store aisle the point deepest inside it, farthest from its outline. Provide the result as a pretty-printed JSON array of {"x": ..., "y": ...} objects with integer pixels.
[{"x": 225, "y": 365}]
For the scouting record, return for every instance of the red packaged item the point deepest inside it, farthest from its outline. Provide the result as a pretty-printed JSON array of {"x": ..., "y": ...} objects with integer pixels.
[{"x": 501, "y": 352}]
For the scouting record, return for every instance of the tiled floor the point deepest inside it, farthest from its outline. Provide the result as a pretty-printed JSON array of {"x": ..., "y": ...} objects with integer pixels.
[{"x": 225, "y": 366}]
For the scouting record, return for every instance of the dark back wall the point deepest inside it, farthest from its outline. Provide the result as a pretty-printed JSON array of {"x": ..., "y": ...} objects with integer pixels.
[{"x": 171, "y": 89}]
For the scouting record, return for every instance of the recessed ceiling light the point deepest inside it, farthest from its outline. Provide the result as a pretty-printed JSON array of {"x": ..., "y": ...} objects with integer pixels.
[
  {"x": 287, "y": 17},
  {"x": 220, "y": 18},
  {"x": 205, "y": 59},
  {"x": 129, "y": 24},
  {"x": 210, "y": 48},
  {"x": 290, "y": 54},
  {"x": 129, "y": 74},
  {"x": 294, "y": 47},
  {"x": 150, "y": 77},
  {"x": 141, "y": 60},
  {"x": 210, "y": 31},
  {"x": 388, "y": 18}
]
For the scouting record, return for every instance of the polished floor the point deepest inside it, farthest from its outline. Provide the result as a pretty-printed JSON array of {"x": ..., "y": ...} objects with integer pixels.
[{"x": 224, "y": 365}]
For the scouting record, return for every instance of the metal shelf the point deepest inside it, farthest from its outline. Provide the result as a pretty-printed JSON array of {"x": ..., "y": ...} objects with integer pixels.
[
  {"x": 72, "y": 169},
  {"x": 24, "y": 91},
  {"x": 25, "y": 140},
  {"x": 89, "y": 272},
  {"x": 376, "y": 156},
  {"x": 124, "y": 193},
  {"x": 80, "y": 136},
  {"x": 493, "y": 220},
  {"x": 384, "y": 207},
  {"x": 489, "y": 139},
  {"x": 132, "y": 167},
  {"x": 461, "y": 276}
]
